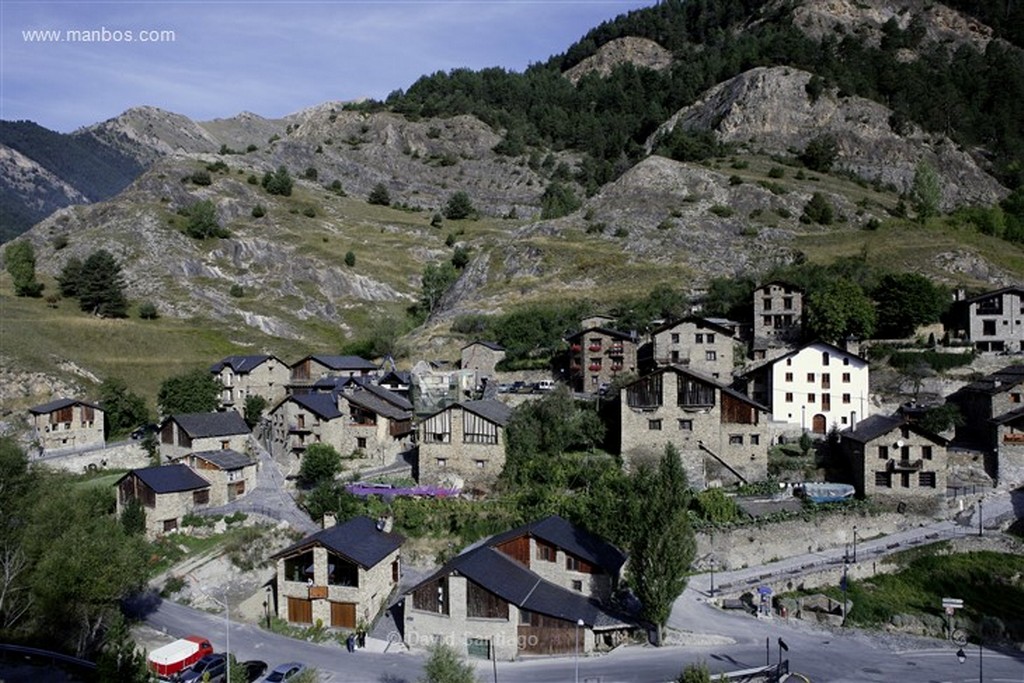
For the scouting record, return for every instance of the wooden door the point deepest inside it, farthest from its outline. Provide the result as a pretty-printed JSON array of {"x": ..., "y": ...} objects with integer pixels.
[
  {"x": 300, "y": 611},
  {"x": 818, "y": 424},
  {"x": 343, "y": 615}
]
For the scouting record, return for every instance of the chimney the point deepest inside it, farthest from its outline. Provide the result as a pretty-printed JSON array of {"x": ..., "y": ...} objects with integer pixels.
[
  {"x": 329, "y": 520},
  {"x": 385, "y": 524}
]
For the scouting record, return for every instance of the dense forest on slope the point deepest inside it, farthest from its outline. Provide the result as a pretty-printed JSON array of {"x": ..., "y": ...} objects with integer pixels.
[{"x": 970, "y": 96}]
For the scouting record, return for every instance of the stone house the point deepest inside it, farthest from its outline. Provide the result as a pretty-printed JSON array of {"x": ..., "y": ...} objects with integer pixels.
[
  {"x": 891, "y": 456},
  {"x": 992, "y": 322},
  {"x": 68, "y": 424},
  {"x": 311, "y": 368},
  {"x": 481, "y": 357},
  {"x": 993, "y": 412},
  {"x": 814, "y": 388},
  {"x": 696, "y": 343},
  {"x": 340, "y": 576},
  {"x": 463, "y": 445},
  {"x": 778, "y": 314},
  {"x": 398, "y": 382},
  {"x": 192, "y": 432},
  {"x": 303, "y": 419},
  {"x": 244, "y": 376},
  {"x": 538, "y": 589},
  {"x": 721, "y": 434},
  {"x": 167, "y": 494},
  {"x": 597, "y": 355},
  {"x": 231, "y": 474}
]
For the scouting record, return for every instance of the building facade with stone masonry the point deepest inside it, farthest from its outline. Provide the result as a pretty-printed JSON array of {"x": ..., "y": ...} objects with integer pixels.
[
  {"x": 167, "y": 494},
  {"x": 992, "y": 322},
  {"x": 778, "y": 313},
  {"x": 816, "y": 387},
  {"x": 341, "y": 576},
  {"x": 482, "y": 357},
  {"x": 892, "y": 456},
  {"x": 522, "y": 592},
  {"x": 244, "y": 376},
  {"x": 379, "y": 423},
  {"x": 697, "y": 343},
  {"x": 303, "y": 419},
  {"x": 68, "y": 424},
  {"x": 231, "y": 474},
  {"x": 311, "y": 368},
  {"x": 193, "y": 432},
  {"x": 597, "y": 355},
  {"x": 463, "y": 445},
  {"x": 993, "y": 421},
  {"x": 721, "y": 434}
]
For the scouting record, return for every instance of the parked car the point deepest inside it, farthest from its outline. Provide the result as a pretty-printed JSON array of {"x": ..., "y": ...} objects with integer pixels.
[
  {"x": 285, "y": 672},
  {"x": 172, "y": 659},
  {"x": 209, "y": 669},
  {"x": 546, "y": 385},
  {"x": 254, "y": 668}
]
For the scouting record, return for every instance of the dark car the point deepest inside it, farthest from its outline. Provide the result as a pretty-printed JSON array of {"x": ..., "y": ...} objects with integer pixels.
[
  {"x": 215, "y": 665},
  {"x": 285, "y": 672},
  {"x": 254, "y": 668}
]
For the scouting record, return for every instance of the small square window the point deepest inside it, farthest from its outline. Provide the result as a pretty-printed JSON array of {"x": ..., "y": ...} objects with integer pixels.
[
  {"x": 577, "y": 586},
  {"x": 846, "y": 377},
  {"x": 360, "y": 442},
  {"x": 755, "y": 439},
  {"x": 710, "y": 355},
  {"x": 789, "y": 376},
  {"x": 789, "y": 397},
  {"x": 675, "y": 337},
  {"x": 480, "y": 464},
  {"x": 711, "y": 338},
  {"x": 654, "y": 425},
  {"x": 698, "y": 338},
  {"x": 686, "y": 425},
  {"x": 442, "y": 462},
  {"x": 735, "y": 439},
  {"x": 810, "y": 376}
]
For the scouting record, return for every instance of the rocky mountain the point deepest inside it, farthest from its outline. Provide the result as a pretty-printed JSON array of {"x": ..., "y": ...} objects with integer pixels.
[
  {"x": 773, "y": 110},
  {"x": 573, "y": 202},
  {"x": 640, "y": 52}
]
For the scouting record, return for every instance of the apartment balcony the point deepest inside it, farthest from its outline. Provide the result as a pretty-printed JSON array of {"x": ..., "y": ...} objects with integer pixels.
[
  {"x": 299, "y": 429},
  {"x": 615, "y": 350},
  {"x": 596, "y": 348},
  {"x": 594, "y": 367}
]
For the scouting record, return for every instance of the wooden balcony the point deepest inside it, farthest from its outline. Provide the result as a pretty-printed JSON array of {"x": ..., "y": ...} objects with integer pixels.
[{"x": 906, "y": 465}]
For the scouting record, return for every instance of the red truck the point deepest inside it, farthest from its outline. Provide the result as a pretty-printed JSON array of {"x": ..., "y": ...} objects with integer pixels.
[{"x": 169, "y": 661}]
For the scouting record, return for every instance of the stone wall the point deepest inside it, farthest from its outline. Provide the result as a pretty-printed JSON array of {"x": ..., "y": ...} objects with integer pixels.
[
  {"x": 597, "y": 586},
  {"x": 760, "y": 544},
  {"x": 126, "y": 455}
]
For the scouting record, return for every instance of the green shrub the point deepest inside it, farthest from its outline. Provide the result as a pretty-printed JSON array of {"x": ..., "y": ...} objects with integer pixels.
[
  {"x": 721, "y": 210},
  {"x": 621, "y": 232},
  {"x": 818, "y": 210},
  {"x": 147, "y": 311},
  {"x": 201, "y": 178},
  {"x": 735, "y": 180},
  {"x": 776, "y": 172},
  {"x": 236, "y": 291},
  {"x": 309, "y": 212},
  {"x": 258, "y": 211},
  {"x": 350, "y": 259}
]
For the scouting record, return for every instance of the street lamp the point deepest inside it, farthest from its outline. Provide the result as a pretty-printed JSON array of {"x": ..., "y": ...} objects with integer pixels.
[
  {"x": 579, "y": 622},
  {"x": 712, "y": 593},
  {"x": 266, "y": 605},
  {"x": 980, "y": 517},
  {"x": 855, "y": 544}
]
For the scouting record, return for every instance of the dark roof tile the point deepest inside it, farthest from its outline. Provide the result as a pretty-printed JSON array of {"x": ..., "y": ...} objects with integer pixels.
[
  {"x": 200, "y": 425},
  {"x": 357, "y": 539},
  {"x": 168, "y": 478}
]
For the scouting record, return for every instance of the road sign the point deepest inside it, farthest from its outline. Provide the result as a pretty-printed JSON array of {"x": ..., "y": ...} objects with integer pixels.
[{"x": 955, "y": 603}]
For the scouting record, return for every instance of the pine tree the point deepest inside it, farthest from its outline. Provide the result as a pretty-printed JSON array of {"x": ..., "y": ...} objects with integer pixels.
[
  {"x": 379, "y": 195},
  {"x": 69, "y": 277},
  {"x": 459, "y": 206},
  {"x": 101, "y": 286}
]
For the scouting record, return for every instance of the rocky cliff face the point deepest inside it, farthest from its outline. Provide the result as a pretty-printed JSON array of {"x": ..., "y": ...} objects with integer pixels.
[
  {"x": 769, "y": 109},
  {"x": 640, "y": 52}
]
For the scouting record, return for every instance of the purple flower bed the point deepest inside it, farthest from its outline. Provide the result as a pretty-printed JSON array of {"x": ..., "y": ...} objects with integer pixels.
[{"x": 388, "y": 492}]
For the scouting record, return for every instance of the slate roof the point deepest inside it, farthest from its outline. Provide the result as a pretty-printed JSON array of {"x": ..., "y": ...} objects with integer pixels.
[
  {"x": 1006, "y": 418},
  {"x": 994, "y": 293},
  {"x": 200, "y": 425},
  {"x": 322, "y": 405},
  {"x": 396, "y": 377},
  {"x": 60, "y": 403},
  {"x": 624, "y": 336},
  {"x": 511, "y": 581},
  {"x": 357, "y": 540},
  {"x": 781, "y": 283},
  {"x": 997, "y": 382},
  {"x": 705, "y": 323},
  {"x": 226, "y": 459},
  {"x": 489, "y": 409},
  {"x": 391, "y": 397},
  {"x": 493, "y": 346},
  {"x": 724, "y": 388},
  {"x": 569, "y": 537},
  {"x": 240, "y": 364},
  {"x": 341, "y": 362},
  {"x": 168, "y": 478},
  {"x": 875, "y": 426},
  {"x": 370, "y": 401}
]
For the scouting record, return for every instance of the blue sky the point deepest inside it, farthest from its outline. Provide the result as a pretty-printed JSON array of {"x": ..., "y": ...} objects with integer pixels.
[{"x": 271, "y": 58}]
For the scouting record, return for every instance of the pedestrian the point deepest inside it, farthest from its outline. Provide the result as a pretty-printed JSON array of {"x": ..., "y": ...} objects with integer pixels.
[
  {"x": 362, "y": 638},
  {"x": 350, "y": 642}
]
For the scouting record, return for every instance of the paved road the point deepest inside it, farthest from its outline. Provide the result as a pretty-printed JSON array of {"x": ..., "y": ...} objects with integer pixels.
[{"x": 724, "y": 640}]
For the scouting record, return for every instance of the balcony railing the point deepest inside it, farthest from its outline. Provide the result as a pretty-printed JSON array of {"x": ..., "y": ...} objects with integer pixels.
[
  {"x": 594, "y": 347},
  {"x": 906, "y": 465}
]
